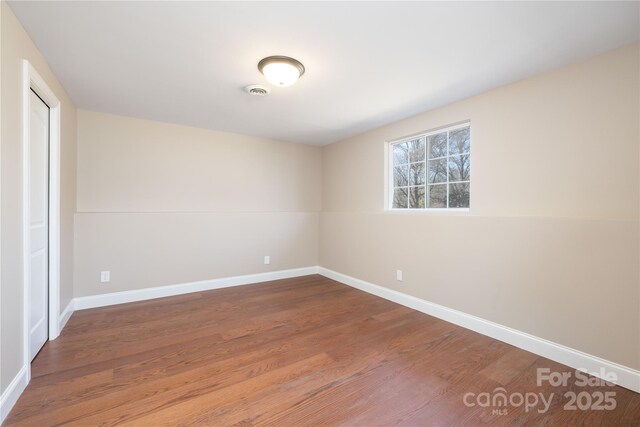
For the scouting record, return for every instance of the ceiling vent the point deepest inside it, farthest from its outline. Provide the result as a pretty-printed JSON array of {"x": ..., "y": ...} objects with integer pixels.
[{"x": 257, "y": 90}]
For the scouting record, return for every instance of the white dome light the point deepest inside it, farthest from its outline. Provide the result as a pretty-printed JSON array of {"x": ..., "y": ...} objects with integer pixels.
[{"x": 281, "y": 70}]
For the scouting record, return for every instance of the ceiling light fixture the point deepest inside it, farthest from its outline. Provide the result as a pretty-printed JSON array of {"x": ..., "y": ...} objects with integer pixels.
[{"x": 281, "y": 70}]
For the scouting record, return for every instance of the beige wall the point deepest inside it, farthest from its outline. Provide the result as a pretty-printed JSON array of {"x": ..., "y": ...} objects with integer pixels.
[
  {"x": 133, "y": 165},
  {"x": 15, "y": 46},
  {"x": 550, "y": 245},
  {"x": 163, "y": 204}
]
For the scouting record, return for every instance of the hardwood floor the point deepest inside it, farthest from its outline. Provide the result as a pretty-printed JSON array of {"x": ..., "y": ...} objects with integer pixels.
[{"x": 304, "y": 351}]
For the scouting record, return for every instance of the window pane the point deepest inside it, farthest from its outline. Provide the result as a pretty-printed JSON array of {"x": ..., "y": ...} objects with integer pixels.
[
  {"x": 459, "y": 141},
  {"x": 417, "y": 175},
  {"x": 416, "y": 150},
  {"x": 432, "y": 171},
  {"x": 459, "y": 195},
  {"x": 400, "y": 154},
  {"x": 438, "y": 196},
  {"x": 416, "y": 197},
  {"x": 459, "y": 168},
  {"x": 437, "y": 171},
  {"x": 400, "y": 198},
  {"x": 400, "y": 175},
  {"x": 437, "y": 145}
]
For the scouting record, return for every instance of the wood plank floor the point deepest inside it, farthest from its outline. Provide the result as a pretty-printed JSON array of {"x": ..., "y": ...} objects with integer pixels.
[{"x": 303, "y": 351}]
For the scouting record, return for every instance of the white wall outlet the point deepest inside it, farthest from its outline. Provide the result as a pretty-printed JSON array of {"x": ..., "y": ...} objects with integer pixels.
[
  {"x": 399, "y": 275},
  {"x": 267, "y": 260},
  {"x": 105, "y": 276}
]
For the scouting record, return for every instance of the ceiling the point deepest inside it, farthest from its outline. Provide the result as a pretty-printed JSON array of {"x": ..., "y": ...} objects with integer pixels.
[{"x": 368, "y": 63}]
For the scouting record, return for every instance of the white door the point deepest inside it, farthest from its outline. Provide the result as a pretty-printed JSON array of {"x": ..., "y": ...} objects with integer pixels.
[{"x": 39, "y": 223}]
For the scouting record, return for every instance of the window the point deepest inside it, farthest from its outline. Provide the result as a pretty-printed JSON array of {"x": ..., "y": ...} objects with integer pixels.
[{"x": 432, "y": 170}]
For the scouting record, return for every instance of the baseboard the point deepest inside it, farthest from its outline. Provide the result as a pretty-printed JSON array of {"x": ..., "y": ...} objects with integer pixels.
[
  {"x": 627, "y": 377},
  {"x": 66, "y": 314},
  {"x": 12, "y": 393},
  {"x": 103, "y": 300}
]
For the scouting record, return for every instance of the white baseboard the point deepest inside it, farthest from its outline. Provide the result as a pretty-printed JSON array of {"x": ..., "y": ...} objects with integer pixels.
[
  {"x": 627, "y": 377},
  {"x": 66, "y": 314},
  {"x": 103, "y": 300},
  {"x": 13, "y": 392}
]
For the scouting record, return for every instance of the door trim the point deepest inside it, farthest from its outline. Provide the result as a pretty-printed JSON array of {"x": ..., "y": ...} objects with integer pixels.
[{"x": 31, "y": 80}]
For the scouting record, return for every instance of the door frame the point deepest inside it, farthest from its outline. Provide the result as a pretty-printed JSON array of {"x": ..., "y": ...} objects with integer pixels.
[{"x": 31, "y": 80}]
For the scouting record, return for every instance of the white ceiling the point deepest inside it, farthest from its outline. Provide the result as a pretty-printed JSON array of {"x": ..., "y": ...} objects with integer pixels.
[{"x": 368, "y": 63}]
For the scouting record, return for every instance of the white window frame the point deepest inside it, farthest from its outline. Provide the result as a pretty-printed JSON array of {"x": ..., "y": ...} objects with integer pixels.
[{"x": 389, "y": 168}]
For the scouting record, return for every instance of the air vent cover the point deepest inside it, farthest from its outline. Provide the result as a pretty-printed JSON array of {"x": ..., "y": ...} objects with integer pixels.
[{"x": 257, "y": 90}]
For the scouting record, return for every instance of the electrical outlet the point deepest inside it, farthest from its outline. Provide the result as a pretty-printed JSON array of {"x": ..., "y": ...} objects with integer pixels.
[
  {"x": 105, "y": 276},
  {"x": 399, "y": 275},
  {"x": 267, "y": 260}
]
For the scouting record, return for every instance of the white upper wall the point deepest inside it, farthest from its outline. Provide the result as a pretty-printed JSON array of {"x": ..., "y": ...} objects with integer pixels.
[
  {"x": 561, "y": 144},
  {"x": 134, "y": 165}
]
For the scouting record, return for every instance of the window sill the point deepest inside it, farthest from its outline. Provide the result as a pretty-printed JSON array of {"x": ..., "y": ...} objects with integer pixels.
[{"x": 434, "y": 211}]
